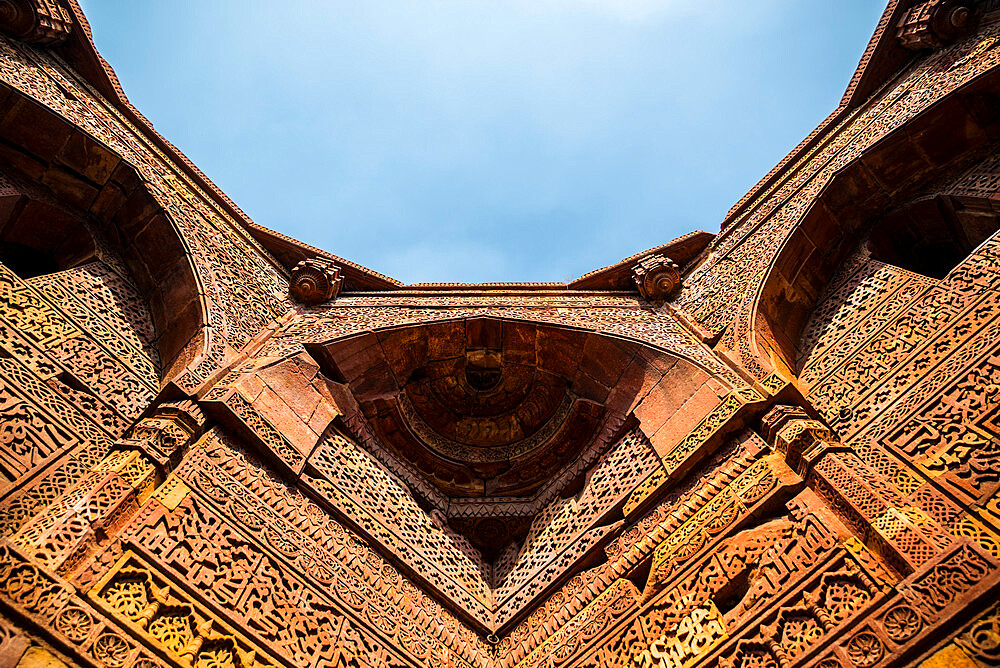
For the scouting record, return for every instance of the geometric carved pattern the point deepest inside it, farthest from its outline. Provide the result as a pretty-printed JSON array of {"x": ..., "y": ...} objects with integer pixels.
[{"x": 791, "y": 459}]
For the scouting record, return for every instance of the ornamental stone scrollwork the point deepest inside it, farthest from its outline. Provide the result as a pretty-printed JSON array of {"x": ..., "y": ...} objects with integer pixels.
[
  {"x": 657, "y": 277},
  {"x": 143, "y": 600},
  {"x": 43, "y": 22},
  {"x": 981, "y": 639},
  {"x": 207, "y": 466},
  {"x": 694, "y": 637},
  {"x": 315, "y": 281},
  {"x": 935, "y": 23}
]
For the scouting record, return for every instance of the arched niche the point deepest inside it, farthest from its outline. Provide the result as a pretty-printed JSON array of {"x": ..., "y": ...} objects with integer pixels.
[
  {"x": 931, "y": 235},
  {"x": 67, "y": 184},
  {"x": 492, "y": 413},
  {"x": 868, "y": 196}
]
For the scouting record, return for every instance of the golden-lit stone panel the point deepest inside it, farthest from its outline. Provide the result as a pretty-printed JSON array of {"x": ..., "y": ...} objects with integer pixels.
[{"x": 770, "y": 448}]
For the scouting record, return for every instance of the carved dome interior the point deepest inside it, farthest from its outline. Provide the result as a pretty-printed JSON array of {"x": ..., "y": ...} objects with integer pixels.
[{"x": 494, "y": 414}]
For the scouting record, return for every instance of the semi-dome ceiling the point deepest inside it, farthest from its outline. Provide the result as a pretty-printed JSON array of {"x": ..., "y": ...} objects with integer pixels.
[
  {"x": 483, "y": 407},
  {"x": 496, "y": 414}
]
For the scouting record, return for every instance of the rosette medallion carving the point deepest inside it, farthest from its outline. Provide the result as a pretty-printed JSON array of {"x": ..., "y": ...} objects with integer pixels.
[
  {"x": 657, "y": 277},
  {"x": 315, "y": 281}
]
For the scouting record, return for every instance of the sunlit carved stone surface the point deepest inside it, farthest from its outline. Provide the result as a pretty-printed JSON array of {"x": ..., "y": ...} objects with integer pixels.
[{"x": 776, "y": 446}]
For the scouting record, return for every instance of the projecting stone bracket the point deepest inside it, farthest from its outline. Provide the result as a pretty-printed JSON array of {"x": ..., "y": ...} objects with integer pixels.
[
  {"x": 934, "y": 23},
  {"x": 802, "y": 440},
  {"x": 282, "y": 409},
  {"x": 113, "y": 490},
  {"x": 43, "y": 22},
  {"x": 657, "y": 277},
  {"x": 165, "y": 433},
  {"x": 314, "y": 281},
  {"x": 885, "y": 520}
]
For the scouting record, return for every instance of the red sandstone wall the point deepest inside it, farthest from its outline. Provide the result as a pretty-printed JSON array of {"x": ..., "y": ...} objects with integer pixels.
[{"x": 809, "y": 479}]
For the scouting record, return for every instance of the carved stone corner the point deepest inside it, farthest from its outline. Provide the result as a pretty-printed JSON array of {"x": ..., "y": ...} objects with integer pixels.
[
  {"x": 777, "y": 418},
  {"x": 934, "y": 23},
  {"x": 801, "y": 439},
  {"x": 43, "y": 22},
  {"x": 657, "y": 277},
  {"x": 165, "y": 434},
  {"x": 314, "y": 281},
  {"x": 184, "y": 411}
]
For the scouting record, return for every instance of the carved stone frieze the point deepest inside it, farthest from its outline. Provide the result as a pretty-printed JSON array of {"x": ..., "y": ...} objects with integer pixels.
[{"x": 222, "y": 447}]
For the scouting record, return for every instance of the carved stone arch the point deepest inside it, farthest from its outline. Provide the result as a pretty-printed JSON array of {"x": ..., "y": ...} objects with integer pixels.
[
  {"x": 74, "y": 182},
  {"x": 906, "y": 164},
  {"x": 622, "y": 320},
  {"x": 933, "y": 234},
  {"x": 483, "y": 408},
  {"x": 606, "y": 362}
]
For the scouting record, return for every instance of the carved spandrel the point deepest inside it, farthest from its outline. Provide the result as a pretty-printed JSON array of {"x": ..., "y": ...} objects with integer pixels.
[
  {"x": 157, "y": 610},
  {"x": 252, "y": 577}
]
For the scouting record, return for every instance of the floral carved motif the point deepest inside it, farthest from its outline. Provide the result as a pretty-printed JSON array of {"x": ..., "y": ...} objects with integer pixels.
[
  {"x": 657, "y": 277},
  {"x": 315, "y": 281}
]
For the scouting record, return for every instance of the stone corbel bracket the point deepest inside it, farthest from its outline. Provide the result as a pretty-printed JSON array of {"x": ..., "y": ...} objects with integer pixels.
[
  {"x": 657, "y": 277},
  {"x": 282, "y": 409},
  {"x": 314, "y": 281},
  {"x": 934, "y": 23},
  {"x": 166, "y": 433},
  {"x": 801, "y": 439},
  {"x": 42, "y": 22}
]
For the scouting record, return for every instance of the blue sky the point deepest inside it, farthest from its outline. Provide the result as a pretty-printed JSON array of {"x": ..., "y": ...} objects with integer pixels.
[{"x": 484, "y": 140}]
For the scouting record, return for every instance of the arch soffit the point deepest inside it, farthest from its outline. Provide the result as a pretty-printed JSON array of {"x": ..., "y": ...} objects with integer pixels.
[
  {"x": 657, "y": 332},
  {"x": 86, "y": 177},
  {"x": 950, "y": 132}
]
